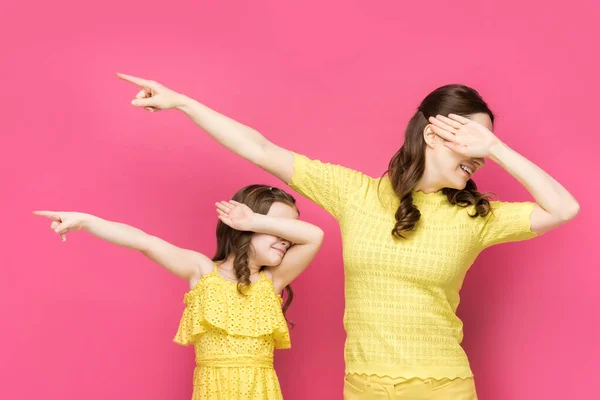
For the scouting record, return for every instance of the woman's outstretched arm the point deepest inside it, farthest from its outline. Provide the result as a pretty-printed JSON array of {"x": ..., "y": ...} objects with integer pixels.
[{"x": 242, "y": 140}]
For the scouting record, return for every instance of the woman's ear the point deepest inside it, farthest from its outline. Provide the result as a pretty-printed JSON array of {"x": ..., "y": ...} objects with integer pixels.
[{"x": 429, "y": 136}]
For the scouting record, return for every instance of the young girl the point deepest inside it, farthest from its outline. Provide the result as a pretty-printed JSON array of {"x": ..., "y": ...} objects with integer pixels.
[{"x": 233, "y": 314}]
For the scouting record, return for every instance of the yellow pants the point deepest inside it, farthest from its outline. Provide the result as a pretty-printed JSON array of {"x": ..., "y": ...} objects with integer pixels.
[{"x": 371, "y": 387}]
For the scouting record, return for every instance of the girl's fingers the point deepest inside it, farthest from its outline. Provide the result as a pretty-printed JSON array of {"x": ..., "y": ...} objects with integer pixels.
[
  {"x": 227, "y": 205},
  {"x": 222, "y": 207},
  {"x": 233, "y": 204},
  {"x": 224, "y": 220}
]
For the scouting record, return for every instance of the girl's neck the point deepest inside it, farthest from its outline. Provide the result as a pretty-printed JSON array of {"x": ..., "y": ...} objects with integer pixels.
[{"x": 227, "y": 265}]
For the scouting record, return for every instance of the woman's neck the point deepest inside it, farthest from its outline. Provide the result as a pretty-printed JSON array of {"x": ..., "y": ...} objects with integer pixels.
[{"x": 428, "y": 183}]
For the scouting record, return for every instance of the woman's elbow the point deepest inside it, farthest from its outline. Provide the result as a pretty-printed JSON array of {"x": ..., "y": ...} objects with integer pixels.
[
  {"x": 319, "y": 235},
  {"x": 569, "y": 212}
]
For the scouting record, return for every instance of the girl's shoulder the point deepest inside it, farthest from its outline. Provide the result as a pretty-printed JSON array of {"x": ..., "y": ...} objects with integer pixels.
[{"x": 205, "y": 266}]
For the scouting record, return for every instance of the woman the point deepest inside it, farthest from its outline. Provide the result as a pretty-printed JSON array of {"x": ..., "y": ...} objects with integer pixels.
[{"x": 409, "y": 237}]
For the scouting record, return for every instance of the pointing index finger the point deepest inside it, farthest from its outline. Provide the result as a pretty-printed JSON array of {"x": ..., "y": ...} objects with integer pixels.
[
  {"x": 143, "y": 83},
  {"x": 49, "y": 214}
]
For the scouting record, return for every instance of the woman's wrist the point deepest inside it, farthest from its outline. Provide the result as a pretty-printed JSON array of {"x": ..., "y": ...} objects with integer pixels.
[
  {"x": 497, "y": 151},
  {"x": 87, "y": 220},
  {"x": 184, "y": 103}
]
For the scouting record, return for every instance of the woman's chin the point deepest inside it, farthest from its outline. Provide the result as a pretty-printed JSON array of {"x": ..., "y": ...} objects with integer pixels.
[{"x": 457, "y": 185}]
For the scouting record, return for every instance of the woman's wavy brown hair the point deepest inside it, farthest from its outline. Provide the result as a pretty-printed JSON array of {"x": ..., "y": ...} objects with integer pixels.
[
  {"x": 408, "y": 165},
  {"x": 259, "y": 199}
]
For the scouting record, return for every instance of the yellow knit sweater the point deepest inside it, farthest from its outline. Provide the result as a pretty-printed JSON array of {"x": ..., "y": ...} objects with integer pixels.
[{"x": 402, "y": 294}]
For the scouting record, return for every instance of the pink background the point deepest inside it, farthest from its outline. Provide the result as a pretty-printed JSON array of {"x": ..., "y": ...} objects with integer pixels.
[{"x": 332, "y": 79}]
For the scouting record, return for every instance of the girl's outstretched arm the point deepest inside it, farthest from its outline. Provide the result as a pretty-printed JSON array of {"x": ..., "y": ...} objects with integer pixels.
[{"x": 186, "y": 264}]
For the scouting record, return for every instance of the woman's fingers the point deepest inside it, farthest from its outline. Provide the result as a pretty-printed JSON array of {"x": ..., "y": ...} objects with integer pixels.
[
  {"x": 62, "y": 228},
  {"x": 143, "y": 83},
  {"x": 444, "y": 134},
  {"x": 454, "y": 124},
  {"x": 441, "y": 124},
  {"x": 57, "y": 225},
  {"x": 143, "y": 94},
  {"x": 459, "y": 118},
  {"x": 48, "y": 214},
  {"x": 144, "y": 102}
]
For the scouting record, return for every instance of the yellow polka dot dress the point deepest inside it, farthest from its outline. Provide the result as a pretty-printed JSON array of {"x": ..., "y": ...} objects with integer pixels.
[{"x": 234, "y": 337}]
